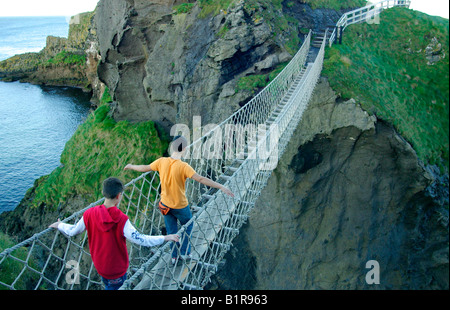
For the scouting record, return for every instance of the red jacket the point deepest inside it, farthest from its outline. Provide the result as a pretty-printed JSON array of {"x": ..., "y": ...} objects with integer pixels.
[{"x": 107, "y": 243}]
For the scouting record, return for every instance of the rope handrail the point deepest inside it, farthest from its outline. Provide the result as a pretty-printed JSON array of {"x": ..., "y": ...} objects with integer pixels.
[
  {"x": 46, "y": 263},
  {"x": 219, "y": 209}
]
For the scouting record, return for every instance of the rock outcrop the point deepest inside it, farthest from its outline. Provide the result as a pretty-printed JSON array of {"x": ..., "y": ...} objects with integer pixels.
[
  {"x": 348, "y": 189},
  {"x": 68, "y": 61},
  {"x": 169, "y": 67}
]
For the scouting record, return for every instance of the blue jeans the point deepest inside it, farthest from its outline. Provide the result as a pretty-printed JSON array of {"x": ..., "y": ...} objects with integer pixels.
[
  {"x": 183, "y": 216},
  {"x": 114, "y": 284}
]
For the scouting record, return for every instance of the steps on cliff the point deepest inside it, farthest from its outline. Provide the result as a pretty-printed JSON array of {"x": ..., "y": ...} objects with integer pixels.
[{"x": 320, "y": 35}]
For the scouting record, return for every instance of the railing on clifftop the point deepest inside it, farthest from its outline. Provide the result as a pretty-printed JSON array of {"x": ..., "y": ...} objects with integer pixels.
[{"x": 368, "y": 14}]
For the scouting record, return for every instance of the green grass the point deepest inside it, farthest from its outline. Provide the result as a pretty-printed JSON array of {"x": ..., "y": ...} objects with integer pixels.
[
  {"x": 11, "y": 268},
  {"x": 106, "y": 97},
  {"x": 335, "y": 4},
  {"x": 183, "y": 8},
  {"x": 385, "y": 68},
  {"x": 258, "y": 81},
  {"x": 208, "y": 7},
  {"x": 68, "y": 58},
  {"x": 21, "y": 63},
  {"x": 213, "y": 6},
  {"x": 100, "y": 148}
]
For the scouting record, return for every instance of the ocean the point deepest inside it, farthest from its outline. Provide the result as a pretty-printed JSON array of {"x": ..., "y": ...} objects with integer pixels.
[
  {"x": 20, "y": 35},
  {"x": 35, "y": 121}
]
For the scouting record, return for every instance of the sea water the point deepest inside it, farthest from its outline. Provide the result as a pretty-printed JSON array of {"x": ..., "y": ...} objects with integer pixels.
[
  {"x": 35, "y": 121},
  {"x": 20, "y": 35}
]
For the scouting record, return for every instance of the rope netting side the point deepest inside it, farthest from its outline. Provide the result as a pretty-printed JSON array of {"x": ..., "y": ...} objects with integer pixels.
[
  {"x": 48, "y": 260},
  {"x": 219, "y": 217},
  {"x": 51, "y": 260}
]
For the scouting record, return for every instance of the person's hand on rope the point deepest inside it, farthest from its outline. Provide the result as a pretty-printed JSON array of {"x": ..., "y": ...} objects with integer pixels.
[
  {"x": 55, "y": 224},
  {"x": 227, "y": 191},
  {"x": 174, "y": 238}
]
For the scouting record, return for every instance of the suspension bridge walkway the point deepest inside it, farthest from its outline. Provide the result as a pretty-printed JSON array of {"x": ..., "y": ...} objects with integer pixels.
[{"x": 239, "y": 153}]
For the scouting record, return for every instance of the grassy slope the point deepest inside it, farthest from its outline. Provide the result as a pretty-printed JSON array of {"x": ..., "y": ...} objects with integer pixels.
[
  {"x": 100, "y": 148},
  {"x": 385, "y": 68},
  {"x": 10, "y": 268}
]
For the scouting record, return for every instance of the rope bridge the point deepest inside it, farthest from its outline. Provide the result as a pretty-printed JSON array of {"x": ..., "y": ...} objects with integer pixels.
[{"x": 239, "y": 153}]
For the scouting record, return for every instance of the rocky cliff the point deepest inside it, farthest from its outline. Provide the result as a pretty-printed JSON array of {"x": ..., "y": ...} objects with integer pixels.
[
  {"x": 349, "y": 189},
  {"x": 168, "y": 66}
]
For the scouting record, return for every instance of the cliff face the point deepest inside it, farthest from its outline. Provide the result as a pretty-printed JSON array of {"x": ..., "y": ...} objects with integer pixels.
[
  {"x": 169, "y": 67},
  {"x": 348, "y": 189}
]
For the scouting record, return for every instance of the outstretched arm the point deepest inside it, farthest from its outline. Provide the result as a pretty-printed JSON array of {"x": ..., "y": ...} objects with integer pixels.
[
  {"x": 130, "y": 232},
  {"x": 211, "y": 183},
  {"x": 139, "y": 168},
  {"x": 70, "y": 230}
]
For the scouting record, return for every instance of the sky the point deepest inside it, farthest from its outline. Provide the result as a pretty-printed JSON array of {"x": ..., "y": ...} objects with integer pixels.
[
  {"x": 45, "y": 7},
  {"x": 73, "y": 7},
  {"x": 431, "y": 7}
]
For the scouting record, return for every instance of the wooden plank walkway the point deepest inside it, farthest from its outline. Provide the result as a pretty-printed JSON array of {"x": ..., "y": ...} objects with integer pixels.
[{"x": 207, "y": 226}]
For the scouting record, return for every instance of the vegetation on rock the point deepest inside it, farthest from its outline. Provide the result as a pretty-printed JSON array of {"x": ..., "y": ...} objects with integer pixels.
[
  {"x": 387, "y": 68},
  {"x": 10, "y": 268},
  {"x": 61, "y": 62}
]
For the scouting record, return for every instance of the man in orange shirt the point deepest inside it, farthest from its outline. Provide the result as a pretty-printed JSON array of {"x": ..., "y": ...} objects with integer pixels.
[{"x": 173, "y": 173}]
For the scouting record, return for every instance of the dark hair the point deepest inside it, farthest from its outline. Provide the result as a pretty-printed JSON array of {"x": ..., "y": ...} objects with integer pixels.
[
  {"x": 179, "y": 143},
  {"x": 112, "y": 187}
]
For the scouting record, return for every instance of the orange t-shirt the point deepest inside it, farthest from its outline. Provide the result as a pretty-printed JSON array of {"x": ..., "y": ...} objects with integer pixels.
[{"x": 173, "y": 174}]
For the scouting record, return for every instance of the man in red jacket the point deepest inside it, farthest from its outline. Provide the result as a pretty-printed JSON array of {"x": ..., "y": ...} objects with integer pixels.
[{"x": 108, "y": 228}]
